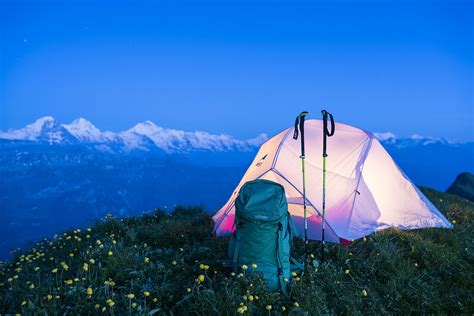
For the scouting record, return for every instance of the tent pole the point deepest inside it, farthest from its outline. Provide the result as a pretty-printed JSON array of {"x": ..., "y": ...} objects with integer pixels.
[
  {"x": 326, "y": 133},
  {"x": 300, "y": 121}
]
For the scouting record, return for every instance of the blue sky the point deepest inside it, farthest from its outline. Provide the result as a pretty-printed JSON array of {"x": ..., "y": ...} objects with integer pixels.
[{"x": 240, "y": 67}]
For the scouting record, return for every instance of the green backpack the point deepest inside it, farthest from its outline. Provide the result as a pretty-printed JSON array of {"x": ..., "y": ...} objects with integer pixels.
[{"x": 263, "y": 233}]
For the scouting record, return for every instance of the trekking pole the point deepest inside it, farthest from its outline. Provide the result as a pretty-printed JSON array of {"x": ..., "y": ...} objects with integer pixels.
[
  {"x": 300, "y": 121},
  {"x": 326, "y": 134}
]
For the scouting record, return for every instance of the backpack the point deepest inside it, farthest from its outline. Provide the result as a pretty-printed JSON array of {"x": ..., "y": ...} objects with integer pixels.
[{"x": 263, "y": 233}]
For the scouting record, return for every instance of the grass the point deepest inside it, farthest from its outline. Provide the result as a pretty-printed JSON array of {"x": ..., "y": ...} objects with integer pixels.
[{"x": 169, "y": 264}]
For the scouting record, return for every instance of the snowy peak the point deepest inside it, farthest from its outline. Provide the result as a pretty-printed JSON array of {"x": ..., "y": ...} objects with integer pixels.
[
  {"x": 45, "y": 129},
  {"x": 144, "y": 136},
  {"x": 83, "y": 130},
  {"x": 389, "y": 138}
]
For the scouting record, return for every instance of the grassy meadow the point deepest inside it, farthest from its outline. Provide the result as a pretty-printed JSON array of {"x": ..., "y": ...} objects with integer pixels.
[{"x": 169, "y": 264}]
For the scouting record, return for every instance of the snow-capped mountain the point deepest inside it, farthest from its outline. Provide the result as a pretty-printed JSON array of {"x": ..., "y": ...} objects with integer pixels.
[
  {"x": 45, "y": 129},
  {"x": 389, "y": 138},
  {"x": 145, "y": 136}
]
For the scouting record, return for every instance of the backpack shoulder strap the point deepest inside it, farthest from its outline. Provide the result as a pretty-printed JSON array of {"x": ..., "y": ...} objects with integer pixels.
[{"x": 281, "y": 277}]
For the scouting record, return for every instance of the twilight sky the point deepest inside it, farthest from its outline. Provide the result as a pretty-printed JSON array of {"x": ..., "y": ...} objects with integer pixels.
[{"x": 240, "y": 67}]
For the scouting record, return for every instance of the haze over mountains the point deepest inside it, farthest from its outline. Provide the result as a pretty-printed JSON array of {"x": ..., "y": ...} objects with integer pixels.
[{"x": 54, "y": 176}]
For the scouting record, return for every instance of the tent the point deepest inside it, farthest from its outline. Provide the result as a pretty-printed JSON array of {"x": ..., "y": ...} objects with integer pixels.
[{"x": 366, "y": 190}]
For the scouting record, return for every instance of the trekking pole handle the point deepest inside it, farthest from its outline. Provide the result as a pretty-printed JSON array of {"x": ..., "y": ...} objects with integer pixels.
[
  {"x": 326, "y": 131},
  {"x": 299, "y": 122}
]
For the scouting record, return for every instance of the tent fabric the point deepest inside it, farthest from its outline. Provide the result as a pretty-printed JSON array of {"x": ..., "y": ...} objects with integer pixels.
[{"x": 365, "y": 189}]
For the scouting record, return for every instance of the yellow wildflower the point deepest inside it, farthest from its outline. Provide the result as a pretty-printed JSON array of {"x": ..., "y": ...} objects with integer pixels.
[
  {"x": 49, "y": 297},
  {"x": 296, "y": 304},
  {"x": 146, "y": 293},
  {"x": 110, "y": 303},
  {"x": 23, "y": 303},
  {"x": 201, "y": 278},
  {"x": 174, "y": 263},
  {"x": 294, "y": 273},
  {"x": 268, "y": 307},
  {"x": 85, "y": 266},
  {"x": 131, "y": 295},
  {"x": 110, "y": 253},
  {"x": 32, "y": 286},
  {"x": 254, "y": 265},
  {"x": 146, "y": 260},
  {"x": 155, "y": 300},
  {"x": 91, "y": 261},
  {"x": 244, "y": 297},
  {"x": 364, "y": 293},
  {"x": 134, "y": 305},
  {"x": 244, "y": 267},
  {"x": 283, "y": 308},
  {"x": 347, "y": 271},
  {"x": 97, "y": 305},
  {"x": 250, "y": 298},
  {"x": 69, "y": 282},
  {"x": 37, "y": 268},
  {"x": 89, "y": 291},
  {"x": 189, "y": 290}
]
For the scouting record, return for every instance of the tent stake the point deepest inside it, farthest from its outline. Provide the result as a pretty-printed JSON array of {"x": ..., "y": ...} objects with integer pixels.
[
  {"x": 326, "y": 133},
  {"x": 300, "y": 121}
]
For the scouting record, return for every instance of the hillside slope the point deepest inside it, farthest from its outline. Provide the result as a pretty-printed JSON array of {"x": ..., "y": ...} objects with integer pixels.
[
  {"x": 463, "y": 186},
  {"x": 170, "y": 264}
]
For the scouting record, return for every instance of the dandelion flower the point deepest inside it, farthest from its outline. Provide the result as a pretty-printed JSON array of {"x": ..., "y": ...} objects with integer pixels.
[
  {"x": 201, "y": 266},
  {"x": 91, "y": 261},
  {"x": 254, "y": 265},
  {"x": 110, "y": 303},
  {"x": 206, "y": 267},
  {"x": 240, "y": 310},
  {"x": 268, "y": 307},
  {"x": 155, "y": 300},
  {"x": 69, "y": 282},
  {"x": 201, "y": 278},
  {"x": 110, "y": 253},
  {"x": 244, "y": 297},
  {"x": 146, "y": 293},
  {"x": 134, "y": 305},
  {"x": 131, "y": 295},
  {"x": 294, "y": 273},
  {"x": 244, "y": 267},
  {"x": 250, "y": 298},
  {"x": 89, "y": 291},
  {"x": 49, "y": 297},
  {"x": 85, "y": 267}
]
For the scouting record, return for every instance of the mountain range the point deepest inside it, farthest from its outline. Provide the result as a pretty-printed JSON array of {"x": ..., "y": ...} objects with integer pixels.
[{"x": 144, "y": 136}]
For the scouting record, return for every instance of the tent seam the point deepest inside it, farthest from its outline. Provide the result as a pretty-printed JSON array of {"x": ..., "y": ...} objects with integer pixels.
[
  {"x": 369, "y": 145},
  {"x": 279, "y": 148}
]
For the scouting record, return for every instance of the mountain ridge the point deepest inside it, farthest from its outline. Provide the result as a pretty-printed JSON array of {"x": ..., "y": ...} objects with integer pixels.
[{"x": 143, "y": 136}]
